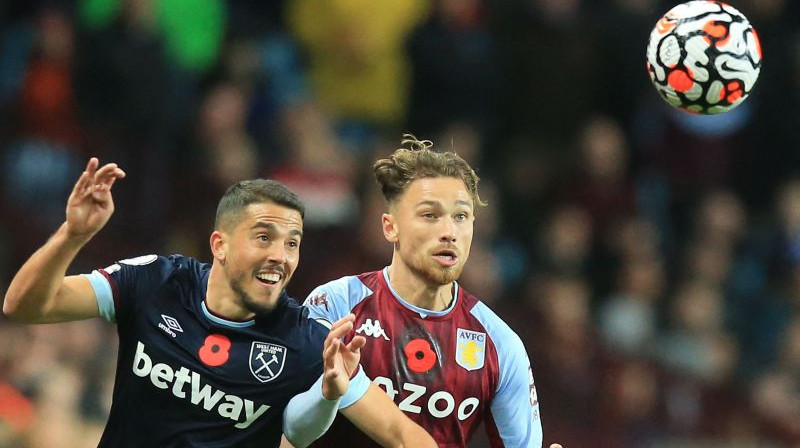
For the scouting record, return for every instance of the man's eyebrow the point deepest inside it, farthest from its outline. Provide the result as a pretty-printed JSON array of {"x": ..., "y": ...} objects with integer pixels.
[
  {"x": 438, "y": 204},
  {"x": 273, "y": 228},
  {"x": 265, "y": 225}
]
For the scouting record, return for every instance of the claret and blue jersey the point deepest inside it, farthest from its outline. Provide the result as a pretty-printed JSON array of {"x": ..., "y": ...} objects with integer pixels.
[
  {"x": 186, "y": 377},
  {"x": 449, "y": 370}
]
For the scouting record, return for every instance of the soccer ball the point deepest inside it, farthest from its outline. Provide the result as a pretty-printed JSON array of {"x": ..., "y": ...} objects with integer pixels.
[{"x": 704, "y": 57}]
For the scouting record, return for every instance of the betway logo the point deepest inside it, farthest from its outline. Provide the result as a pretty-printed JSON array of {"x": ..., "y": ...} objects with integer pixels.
[{"x": 228, "y": 406}]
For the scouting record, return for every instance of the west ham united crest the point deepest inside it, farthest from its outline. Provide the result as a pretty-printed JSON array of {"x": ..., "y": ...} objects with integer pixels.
[
  {"x": 266, "y": 360},
  {"x": 470, "y": 349}
]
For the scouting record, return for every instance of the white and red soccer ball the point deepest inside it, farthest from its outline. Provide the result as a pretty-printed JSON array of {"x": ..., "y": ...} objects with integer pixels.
[{"x": 704, "y": 57}]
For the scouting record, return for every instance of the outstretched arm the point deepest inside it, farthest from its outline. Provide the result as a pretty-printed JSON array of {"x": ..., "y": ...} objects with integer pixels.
[
  {"x": 40, "y": 292},
  {"x": 310, "y": 414},
  {"x": 378, "y": 417}
]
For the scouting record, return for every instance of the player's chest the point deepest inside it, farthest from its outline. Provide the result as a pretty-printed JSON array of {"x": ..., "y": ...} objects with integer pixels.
[
  {"x": 178, "y": 342},
  {"x": 428, "y": 366}
]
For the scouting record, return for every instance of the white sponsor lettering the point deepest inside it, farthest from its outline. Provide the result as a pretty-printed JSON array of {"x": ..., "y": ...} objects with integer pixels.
[
  {"x": 440, "y": 404},
  {"x": 533, "y": 395},
  {"x": 416, "y": 392},
  {"x": 167, "y": 330},
  {"x": 204, "y": 395},
  {"x": 433, "y": 404},
  {"x": 470, "y": 403}
]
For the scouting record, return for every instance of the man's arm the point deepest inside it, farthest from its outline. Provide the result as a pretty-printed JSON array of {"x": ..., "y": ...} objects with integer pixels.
[
  {"x": 378, "y": 417},
  {"x": 309, "y": 414},
  {"x": 40, "y": 292}
]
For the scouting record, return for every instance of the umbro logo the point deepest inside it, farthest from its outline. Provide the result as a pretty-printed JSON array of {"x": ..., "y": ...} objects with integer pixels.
[
  {"x": 373, "y": 329},
  {"x": 170, "y": 325}
]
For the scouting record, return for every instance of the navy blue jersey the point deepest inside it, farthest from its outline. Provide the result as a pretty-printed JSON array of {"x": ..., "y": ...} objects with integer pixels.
[{"x": 188, "y": 378}]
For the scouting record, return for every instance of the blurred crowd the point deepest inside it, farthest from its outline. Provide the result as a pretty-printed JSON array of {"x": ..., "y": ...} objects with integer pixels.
[{"x": 649, "y": 259}]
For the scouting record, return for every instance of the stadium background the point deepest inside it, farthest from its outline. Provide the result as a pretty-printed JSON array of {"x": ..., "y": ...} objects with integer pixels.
[{"x": 649, "y": 259}]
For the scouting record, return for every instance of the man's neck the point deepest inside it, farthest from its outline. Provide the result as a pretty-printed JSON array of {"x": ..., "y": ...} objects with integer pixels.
[{"x": 417, "y": 291}]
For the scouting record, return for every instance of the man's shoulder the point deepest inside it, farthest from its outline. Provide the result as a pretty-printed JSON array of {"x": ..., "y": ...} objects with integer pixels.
[
  {"x": 335, "y": 299},
  {"x": 345, "y": 289},
  {"x": 299, "y": 326},
  {"x": 162, "y": 263},
  {"x": 495, "y": 326}
]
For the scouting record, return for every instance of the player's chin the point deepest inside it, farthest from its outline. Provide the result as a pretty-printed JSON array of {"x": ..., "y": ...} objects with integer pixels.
[
  {"x": 263, "y": 303},
  {"x": 444, "y": 275}
]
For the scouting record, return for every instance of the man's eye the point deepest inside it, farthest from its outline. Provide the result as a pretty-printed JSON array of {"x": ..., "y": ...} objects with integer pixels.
[{"x": 263, "y": 238}]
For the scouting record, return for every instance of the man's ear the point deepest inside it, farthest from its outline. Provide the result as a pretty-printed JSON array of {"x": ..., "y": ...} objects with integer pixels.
[
  {"x": 389, "y": 227},
  {"x": 219, "y": 245}
]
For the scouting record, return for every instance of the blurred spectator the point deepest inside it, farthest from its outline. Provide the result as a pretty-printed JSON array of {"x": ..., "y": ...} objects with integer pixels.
[
  {"x": 550, "y": 58},
  {"x": 601, "y": 184},
  {"x": 356, "y": 58},
  {"x": 192, "y": 32},
  {"x": 650, "y": 258},
  {"x": 525, "y": 171},
  {"x": 632, "y": 411},
  {"x": 696, "y": 343},
  {"x": 554, "y": 322},
  {"x": 311, "y": 145},
  {"x": 775, "y": 100},
  {"x": 454, "y": 69},
  {"x": 46, "y": 147},
  {"x": 776, "y": 393},
  {"x": 629, "y": 319},
  {"x": 565, "y": 244}
]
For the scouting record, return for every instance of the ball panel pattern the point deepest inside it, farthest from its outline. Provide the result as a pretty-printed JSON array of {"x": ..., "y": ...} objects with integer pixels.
[{"x": 703, "y": 56}]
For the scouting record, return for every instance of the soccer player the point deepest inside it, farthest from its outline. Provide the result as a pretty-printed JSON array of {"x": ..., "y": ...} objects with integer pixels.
[
  {"x": 447, "y": 360},
  {"x": 210, "y": 355}
]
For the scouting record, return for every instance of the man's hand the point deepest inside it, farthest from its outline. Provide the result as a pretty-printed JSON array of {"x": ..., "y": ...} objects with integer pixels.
[
  {"x": 90, "y": 204},
  {"x": 340, "y": 361}
]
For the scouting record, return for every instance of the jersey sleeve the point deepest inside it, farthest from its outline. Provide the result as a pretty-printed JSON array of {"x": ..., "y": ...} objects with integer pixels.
[
  {"x": 334, "y": 300},
  {"x": 515, "y": 408},
  {"x": 515, "y": 421},
  {"x": 118, "y": 287},
  {"x": 309, "y": 414}
]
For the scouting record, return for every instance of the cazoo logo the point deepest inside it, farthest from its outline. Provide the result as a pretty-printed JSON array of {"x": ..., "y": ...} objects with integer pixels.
[{"x": 439, "y": 404}]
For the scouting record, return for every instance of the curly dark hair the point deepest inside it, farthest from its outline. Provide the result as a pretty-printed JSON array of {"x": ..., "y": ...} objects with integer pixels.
[{"x": 416, "y": 159}]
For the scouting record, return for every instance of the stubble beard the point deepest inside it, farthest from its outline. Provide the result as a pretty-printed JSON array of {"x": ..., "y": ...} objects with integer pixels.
[
  {"x": 259, "y": 309},
  {"x": 436, "y": 275}
]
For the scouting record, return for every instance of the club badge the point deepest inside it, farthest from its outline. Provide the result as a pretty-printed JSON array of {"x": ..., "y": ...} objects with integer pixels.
[
  {"x": 266, "y": 360},
  {"x": 470, "y": 349}
]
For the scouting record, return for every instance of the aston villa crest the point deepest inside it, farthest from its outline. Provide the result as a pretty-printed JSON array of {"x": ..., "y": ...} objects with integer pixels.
[
  {"x": 470, "y": 349},
  {"x": 266, "y": 360}
]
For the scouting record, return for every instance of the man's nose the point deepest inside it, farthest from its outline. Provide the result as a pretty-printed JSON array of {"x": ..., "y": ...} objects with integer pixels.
[
  {"x": 277, "y": 253},
  {"x": 448, "y": 231}
]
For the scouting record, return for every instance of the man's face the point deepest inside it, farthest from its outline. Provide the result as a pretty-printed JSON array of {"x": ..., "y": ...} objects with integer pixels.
[
  {"x": 263, "y": 250},
  {"x": 431, "y": 224}
]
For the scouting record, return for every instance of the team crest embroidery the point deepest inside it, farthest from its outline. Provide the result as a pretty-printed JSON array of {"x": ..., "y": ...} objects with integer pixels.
[
  {"x": 470, "y": 349},
  {"x": 266, "y": 360},
  {"x": 319, "y": 300}
]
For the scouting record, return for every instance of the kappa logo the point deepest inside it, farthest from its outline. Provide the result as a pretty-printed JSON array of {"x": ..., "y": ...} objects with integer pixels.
[
  {"x": 171, "y": 326},
  {"x": 266, "y": 360},
  {"x": 373, "y": 329}
]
